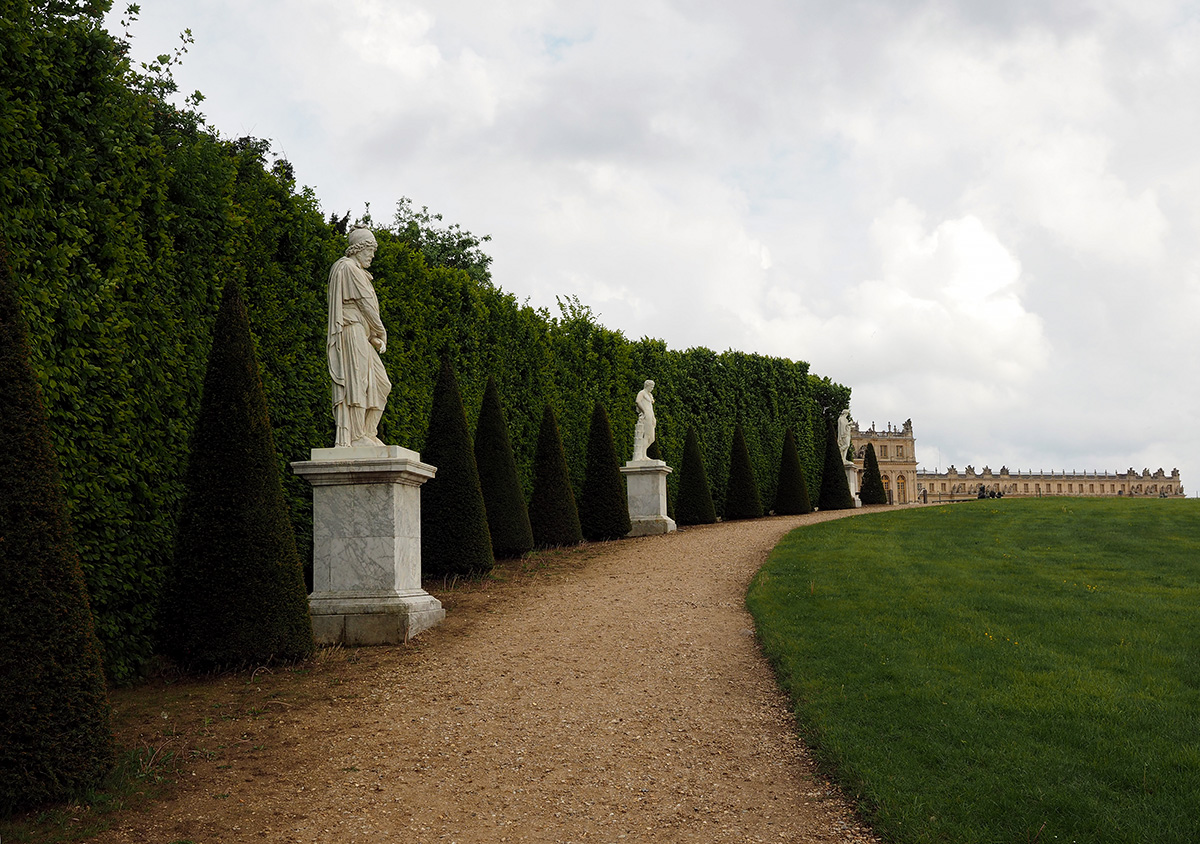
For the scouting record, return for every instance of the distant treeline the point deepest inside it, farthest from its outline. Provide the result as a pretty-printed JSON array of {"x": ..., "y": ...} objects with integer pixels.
[{"x": 125, "y": 216}]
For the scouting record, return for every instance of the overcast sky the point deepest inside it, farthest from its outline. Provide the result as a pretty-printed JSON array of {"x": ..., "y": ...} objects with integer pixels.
[{"x": 980, "y": 215}]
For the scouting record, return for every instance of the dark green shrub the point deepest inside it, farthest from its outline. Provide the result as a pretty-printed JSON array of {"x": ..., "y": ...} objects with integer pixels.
[
  {"x": 870, "y": 488},
  {"x": 791, "y": 493},
  {"x": 507, "y": 513},
  {"x": 603, "y": 507},
  {"x": 835, "y": 489},
  {"x": 742, "y": 500},
  {"x": 552, "y": 511},
  {"x": 454, "y": 528},
  {"x": 54, "y": 714},
  {"x": 235, "y": 589},
  {"x": 695, "y": 497}
]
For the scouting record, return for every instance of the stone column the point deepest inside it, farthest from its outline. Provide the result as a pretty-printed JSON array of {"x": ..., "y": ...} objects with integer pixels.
[
  {"x": 646, "y": 482},
  {"x": 367, "y": 545}
]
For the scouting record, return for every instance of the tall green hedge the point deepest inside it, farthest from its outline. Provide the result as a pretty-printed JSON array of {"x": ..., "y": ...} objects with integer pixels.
[
  {"x": 235, "y": 592},
  {"x": 835, "y": 489},
  {"x": 454, "y": 530},
  {"x": 603, "y": 506},
  {"x": 503, "y": 496},
  {"x": 552, "y": 510},
  {"x": 870, "y": 487},
  {"x": 54, "y": 714},
  {"x": 695, "y": 496},
  {"x": 742, "y": 498},
  {"x": 791, "y": 496},
  {"x": 125, "y": 216}
]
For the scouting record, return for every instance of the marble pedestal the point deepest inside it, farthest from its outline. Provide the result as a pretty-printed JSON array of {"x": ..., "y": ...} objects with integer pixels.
[
  {"x": 367, "y": 545},
  {"x": 852, "y": 480},
  {"x": 646, "y": 482}
]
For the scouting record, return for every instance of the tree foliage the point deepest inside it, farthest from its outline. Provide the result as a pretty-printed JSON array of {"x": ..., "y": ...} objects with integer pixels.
[
  {"x": 603, "y": 507},
  {"x": 235, "y": 591},
  {"x": 552, "y": 510},
  {"x": 791, "y": 494},
  {"x": 454, "y": 528},
  {"x": 54, "y": 731},
  {"x": 835, "y": 489},
  {"x": 742, "y": 499},
  {"x": 870, "y": 489},
  {"x": 695, "y": 505},
  {"x": 503, "y": 497}
]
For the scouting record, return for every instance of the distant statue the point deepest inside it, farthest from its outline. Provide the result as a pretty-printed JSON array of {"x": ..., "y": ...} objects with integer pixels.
[
  {"x": 643, "y": 431},
  {"x": 843, "y": 434},
  {"x": 355, "y": 341}
]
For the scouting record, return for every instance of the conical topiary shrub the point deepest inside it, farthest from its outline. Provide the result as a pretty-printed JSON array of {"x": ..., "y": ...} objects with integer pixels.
[
  {"x": 653, "y": 452},
  {"x": 552, "y": 511},
  {"x": 503, "y": 498},
  {"x": 870, "y": 489},
  {"x": 695, "y": 495},
  {"x": 742, "y": 500},
  {"x": 54, "y": 714},
  {"x": 235, "y": 593},
  {"x": 454, "y": 527},
  {"x": 791, "y": 494},
  {"x": 603, "y": 507},
  {"x": 835, "y": 489}
]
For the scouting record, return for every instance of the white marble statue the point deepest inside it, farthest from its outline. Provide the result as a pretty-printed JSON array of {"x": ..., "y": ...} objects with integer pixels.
[
  {"x": 643, "y": 431},
  {"x": 356, "y": 339},
  {"x": 843, "y": 434}
]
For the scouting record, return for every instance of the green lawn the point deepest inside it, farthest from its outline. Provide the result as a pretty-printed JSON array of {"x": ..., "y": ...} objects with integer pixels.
[{"x": 999, "y": 671}]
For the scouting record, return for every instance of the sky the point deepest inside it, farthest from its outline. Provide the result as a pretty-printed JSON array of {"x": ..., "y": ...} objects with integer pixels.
[{"x": 979, "y": 215}]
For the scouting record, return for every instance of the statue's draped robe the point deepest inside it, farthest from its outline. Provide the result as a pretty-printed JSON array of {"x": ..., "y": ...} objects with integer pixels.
[
  {"x": 643, "y": 429},
  {"x": 360, "y": 383}
]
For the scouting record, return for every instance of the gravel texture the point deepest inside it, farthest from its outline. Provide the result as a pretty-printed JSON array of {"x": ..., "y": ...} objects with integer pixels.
[{"x": 609, "y": 692}]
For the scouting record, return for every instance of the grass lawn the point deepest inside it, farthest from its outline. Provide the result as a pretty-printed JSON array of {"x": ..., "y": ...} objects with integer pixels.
[{"x": 1000, "y": 670}]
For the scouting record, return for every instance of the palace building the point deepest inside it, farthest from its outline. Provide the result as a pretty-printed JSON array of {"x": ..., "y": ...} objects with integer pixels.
[{"x": 895, "y": 450}]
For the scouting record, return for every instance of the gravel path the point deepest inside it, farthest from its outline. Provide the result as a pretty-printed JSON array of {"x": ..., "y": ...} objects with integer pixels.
[{"x": 619, "y": 694}]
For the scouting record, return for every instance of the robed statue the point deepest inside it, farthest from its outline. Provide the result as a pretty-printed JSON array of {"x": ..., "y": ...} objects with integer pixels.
[
  {"x": 355, "y": 341},
  {"x": 643, "y": 430}
]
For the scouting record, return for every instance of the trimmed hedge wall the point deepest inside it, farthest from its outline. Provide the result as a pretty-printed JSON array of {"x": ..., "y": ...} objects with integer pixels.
[{"x": 126, "y": 216}]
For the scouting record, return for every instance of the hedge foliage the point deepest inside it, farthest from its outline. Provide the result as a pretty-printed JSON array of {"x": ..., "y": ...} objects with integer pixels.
[
  {"x": 234, "y": 594},
  {"x": 54, "y": 713},
  {"x": 870, "y": 488},
  {"x": 503, "y": 495},
  {"x": 454, "y": 528},
  {"x": 126, "y": 216},
  {"x": 552, "y": 510},
  {"x": 695, "y": 495},
  {"x": 742, "y": 498},
  {"x": 603, "y": 506},
  {"x": 791, "y": 494}
]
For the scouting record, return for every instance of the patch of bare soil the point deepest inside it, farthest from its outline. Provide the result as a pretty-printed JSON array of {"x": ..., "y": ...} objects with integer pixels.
[{"x": 612, "y": 691}]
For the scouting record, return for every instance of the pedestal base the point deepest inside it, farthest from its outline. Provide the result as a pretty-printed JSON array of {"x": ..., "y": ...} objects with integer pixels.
[
  {"x": 646, "y": 482},
  {"x": 367, "y": 545},
  {"x": 852, "y": 480},
  {"x": 339, "y": 618}
]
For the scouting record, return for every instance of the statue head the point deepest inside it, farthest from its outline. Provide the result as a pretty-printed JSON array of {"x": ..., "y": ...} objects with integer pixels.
[
  {"x": 361, "y": 241},
  {"x": 649, "y": 385}
]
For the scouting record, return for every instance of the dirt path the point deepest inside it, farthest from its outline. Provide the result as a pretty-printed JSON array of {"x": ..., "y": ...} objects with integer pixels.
[{"x": 617, "y": 694}]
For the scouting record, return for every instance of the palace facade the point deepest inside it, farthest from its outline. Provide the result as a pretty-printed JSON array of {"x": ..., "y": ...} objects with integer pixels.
[{"x": 895, "y": 450}]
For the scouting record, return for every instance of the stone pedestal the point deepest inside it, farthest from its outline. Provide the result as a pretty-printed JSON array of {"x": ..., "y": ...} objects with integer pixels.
[
  {"x": 367, "y": 545},
  {"x": 852, "y": 480},
  {"x": 646, "y": 482}
]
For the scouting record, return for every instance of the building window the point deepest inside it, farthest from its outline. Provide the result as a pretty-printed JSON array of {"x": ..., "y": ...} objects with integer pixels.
[
  {"x": 1027, "y": 487},
  {"x": 1070, "y": 487},
  {"x": 943, "y": 487},
  {"x": 1060, "y": 488},
  {"x": 899, "y": 452},
  {"x": 1091, "y": 487},
  {"x": 883, "y": 451}
]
